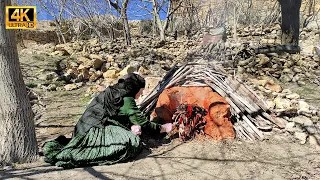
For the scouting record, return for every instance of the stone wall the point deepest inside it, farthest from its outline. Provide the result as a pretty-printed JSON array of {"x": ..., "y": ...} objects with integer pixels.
[{"x": 39, "y": 36}]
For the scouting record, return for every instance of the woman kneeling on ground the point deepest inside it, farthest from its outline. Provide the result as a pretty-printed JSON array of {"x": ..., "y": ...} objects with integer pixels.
[{"x": 108, "y": 131}]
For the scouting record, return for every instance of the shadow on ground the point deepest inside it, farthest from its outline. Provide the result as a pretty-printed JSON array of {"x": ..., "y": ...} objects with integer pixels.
[{"x": 197, "y": 160}]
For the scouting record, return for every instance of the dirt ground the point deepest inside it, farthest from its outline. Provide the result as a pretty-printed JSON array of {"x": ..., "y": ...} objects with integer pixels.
[
  {"x": 280, "y": 156},
  {"x": 270, "y": 159}
]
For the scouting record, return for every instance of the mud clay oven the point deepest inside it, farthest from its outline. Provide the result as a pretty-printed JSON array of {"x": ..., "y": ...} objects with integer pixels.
[
  {"x": 222, "y": 96},
  {"x": 218, "y": 125}
]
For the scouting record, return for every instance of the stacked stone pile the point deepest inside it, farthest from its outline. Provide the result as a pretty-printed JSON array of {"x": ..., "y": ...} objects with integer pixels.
[
  {"x": 285, "y": 67},
  {"x": 301, "y": 119},
  {"x": 92, "y": 60},
  {"x": 282, "y": 101},
  {"x": 240, "y": 56},
  {"x": 271, "y": 35}
]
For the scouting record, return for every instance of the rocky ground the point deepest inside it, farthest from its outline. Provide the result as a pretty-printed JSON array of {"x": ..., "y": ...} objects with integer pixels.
[{"x": 61, "y": 80}]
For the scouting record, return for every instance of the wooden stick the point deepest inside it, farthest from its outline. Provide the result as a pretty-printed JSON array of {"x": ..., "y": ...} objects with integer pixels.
[
  {"x": 244, "y": 132},
  {"x": 181, "y": 77},
  {"x": 274, "y": 120},
  {"x": 255, "y": 97}
]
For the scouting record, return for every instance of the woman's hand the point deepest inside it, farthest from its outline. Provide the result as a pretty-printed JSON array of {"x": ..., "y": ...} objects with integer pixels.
[
  {"x": 151, "y": 117},
  {"x": 100, "y": 88},
  {"x": 166, "y": 127},
  {"x": 136, "y": 129}
]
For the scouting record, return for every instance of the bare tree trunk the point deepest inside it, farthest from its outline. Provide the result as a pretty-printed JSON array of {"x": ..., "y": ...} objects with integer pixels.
[
  {"x": 112, "y": 29},
  {"x": 162, "y": 35},
  {"x": 112, "y": 33},
  {"x": 235, "y": 22},
  {"x": 126, "y": 28},
  {"x": 19, "y": 37},
  {"x": 123, "y": 15},
  {"x": 290, "y": 21},
  {"x": 59, "y": 32},
  {"x": 170, "y": 10},
  {"x": 17, "y": 132},
  {"x": 154, "y": 21},
  {"x": 124, "y": 18},
  {"x": 58, "y": 36},
  {"x": 158, "y": 21}
]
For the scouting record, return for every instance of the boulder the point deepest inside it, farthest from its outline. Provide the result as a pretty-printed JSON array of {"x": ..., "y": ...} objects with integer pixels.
[
  {"x": 290, "y": 126},
  {"x": 95, "y": 56},
  {"x": 282, "y": 103},
  {"x": 295, "y": 57},
  {"x": 293, "y": 96},
  {"x": 301, "y": 136},
  {"x": 258, "y": 82},
  {"x": 72, "y": 64},
  {"x": 143, "y": 71},
  {"x": 59, "y": 53},
  {"x": 263, "y": 59},
  {"x": 286, "y": 78},
  {"x": 84, "y": 73},
  {"x": 85, "y": 62},
  {"x": 313, "y": 140},
  {"x": 93, "y": 42},
  {"x": 110, "y": 59},
  {"x": 270, "y": 104},
  {"x": 302, "y": 120},
  {"x": 65, "y": 48},
  {"x": 70, "y": 87},
  {"x": 97, "y": 63},
  {"x": 95, "y": 75},
  {"x": 52, "y": 87},
  {"x": 104, "y": 46},
  {"x": 48, "y": 76},
  {"x": 303, "y": 107},
  {"x": 111, "y": 73},
  {"x": 272, "y": 86},
  {"x": 105, "y": 66},
  {"x": 77, "y": 46},
  {"x": 297, "y": 70},
  {"x": 128, "y": 69},
  {"x": 151, "y": 82}
]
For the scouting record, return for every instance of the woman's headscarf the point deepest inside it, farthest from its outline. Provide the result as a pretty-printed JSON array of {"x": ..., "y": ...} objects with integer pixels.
[
  {"x": 127, "y": 86},
  {"x": 108, "y": 102},
  {"x": 132, "y": 83}
]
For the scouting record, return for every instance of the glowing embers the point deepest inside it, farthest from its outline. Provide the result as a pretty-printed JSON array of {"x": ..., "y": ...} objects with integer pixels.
[{"x": 189, "y": 121}]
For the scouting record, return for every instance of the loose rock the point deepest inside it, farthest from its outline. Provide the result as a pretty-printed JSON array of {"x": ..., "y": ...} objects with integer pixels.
[
  {"x": 313, "y": 140},
  {"x": 305, "y": 121},
  {"x": 70, "y": 87},
  {"x": 301, "y": 136},
  {"x": 110, "y": 74}
]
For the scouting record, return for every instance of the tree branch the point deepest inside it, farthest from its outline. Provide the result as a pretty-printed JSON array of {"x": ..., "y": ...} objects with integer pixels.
[
  {"x": 115, "y": 5},
  {"x": 175, "y": 9}
]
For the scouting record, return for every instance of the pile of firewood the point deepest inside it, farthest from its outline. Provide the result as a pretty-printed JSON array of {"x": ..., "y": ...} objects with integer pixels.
[{"x": 247, "y": 109}]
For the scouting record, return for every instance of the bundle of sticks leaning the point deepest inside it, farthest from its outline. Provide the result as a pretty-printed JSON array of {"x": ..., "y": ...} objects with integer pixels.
[{"x": 189, "y": 121}]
